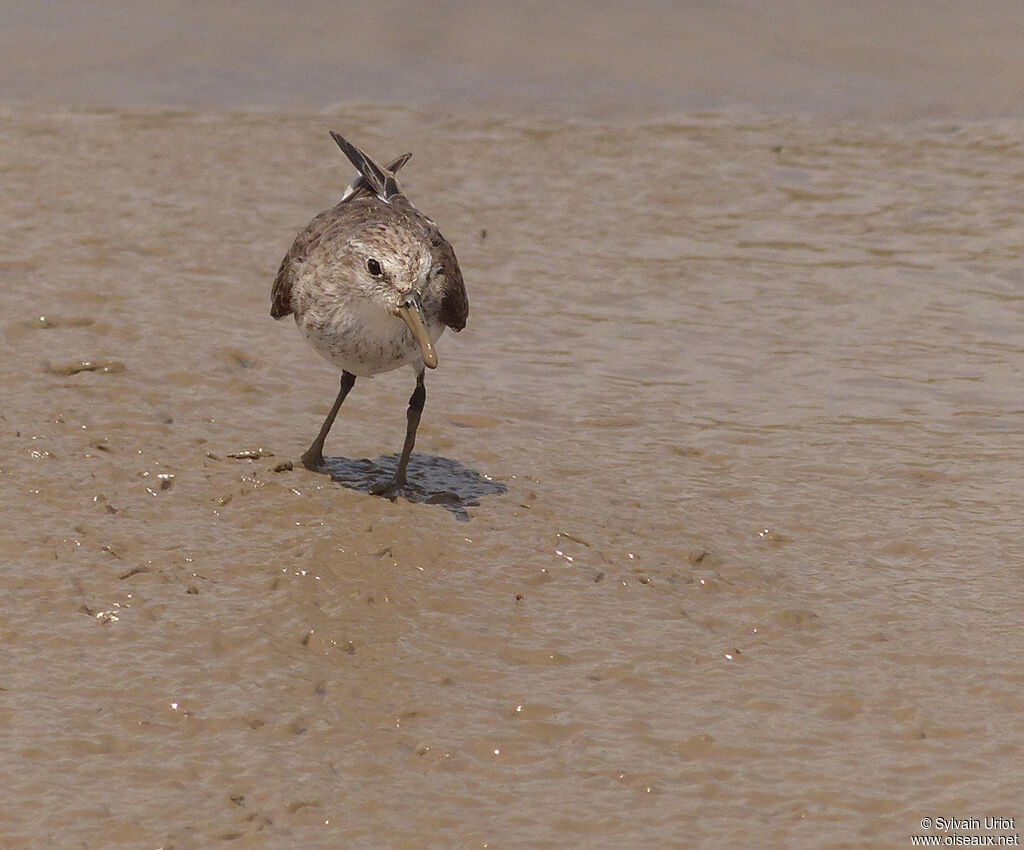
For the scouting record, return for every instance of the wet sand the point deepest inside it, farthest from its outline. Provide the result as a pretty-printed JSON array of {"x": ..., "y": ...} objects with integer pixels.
[{"x": 717, "y": 540}]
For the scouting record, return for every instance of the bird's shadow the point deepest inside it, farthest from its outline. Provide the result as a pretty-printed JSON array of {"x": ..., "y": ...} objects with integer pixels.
[{"x": 431, "y": 480}]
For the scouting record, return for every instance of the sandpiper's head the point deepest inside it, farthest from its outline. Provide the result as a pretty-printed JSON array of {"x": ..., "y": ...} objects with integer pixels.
[
  {"x": 394, "y": 261},
  {"x": 393, "y": 267}
]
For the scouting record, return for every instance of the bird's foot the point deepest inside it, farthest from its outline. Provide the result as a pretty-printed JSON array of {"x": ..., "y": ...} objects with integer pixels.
[
  {"x": 314, "y": 461},
  {"x": 390, "y": 489}
]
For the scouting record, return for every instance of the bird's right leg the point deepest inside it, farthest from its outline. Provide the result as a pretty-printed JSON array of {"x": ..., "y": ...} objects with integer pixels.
[
  {"x": 391, "y": 489},
  {"x": 314, "y": 457}
]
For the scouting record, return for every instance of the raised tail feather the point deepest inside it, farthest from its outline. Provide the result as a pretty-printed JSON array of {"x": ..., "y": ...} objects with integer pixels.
[
  {"x": 360, "y": 187},
  {"x": 380, "y": 181}
]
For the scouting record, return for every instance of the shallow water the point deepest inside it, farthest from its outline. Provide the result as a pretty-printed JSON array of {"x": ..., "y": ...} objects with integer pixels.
[{"x": 715, "y": 540}]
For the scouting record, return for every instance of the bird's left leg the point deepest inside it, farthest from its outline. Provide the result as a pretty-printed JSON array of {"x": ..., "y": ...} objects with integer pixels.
[
  {"x": 392, "y": 488},
  {"x": 314, "y": 458}
]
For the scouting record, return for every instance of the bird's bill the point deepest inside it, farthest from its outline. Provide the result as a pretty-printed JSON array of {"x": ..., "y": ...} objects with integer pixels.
[{"x": 410, "y": 313}]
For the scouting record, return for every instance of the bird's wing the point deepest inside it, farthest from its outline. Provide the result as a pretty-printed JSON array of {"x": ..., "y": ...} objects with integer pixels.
[
  {"x": 360, "y": 187},
  {"x": 304, "y": 244},
  {"x": 378, "y": 180},
  {"x": 454, "y": 303}
]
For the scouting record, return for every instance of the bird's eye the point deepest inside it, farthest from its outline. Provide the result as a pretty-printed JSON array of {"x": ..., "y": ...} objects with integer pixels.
[{"x": 373, "y": 267}]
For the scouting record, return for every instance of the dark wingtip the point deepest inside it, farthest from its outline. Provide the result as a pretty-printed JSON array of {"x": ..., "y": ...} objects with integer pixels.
[
  {"x": 398, "y": 162},
  {"x": 382, "y": 182},
  {"x": 355, "y": 156}
]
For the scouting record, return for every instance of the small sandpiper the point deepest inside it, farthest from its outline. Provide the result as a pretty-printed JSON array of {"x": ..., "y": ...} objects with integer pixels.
[{"x": 372, "y": 284}]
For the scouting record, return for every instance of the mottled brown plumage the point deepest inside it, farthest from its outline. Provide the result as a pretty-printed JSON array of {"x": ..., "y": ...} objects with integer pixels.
[
  {"x": 338, "y": 223},
  {"x": 372, "y": 285}
]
